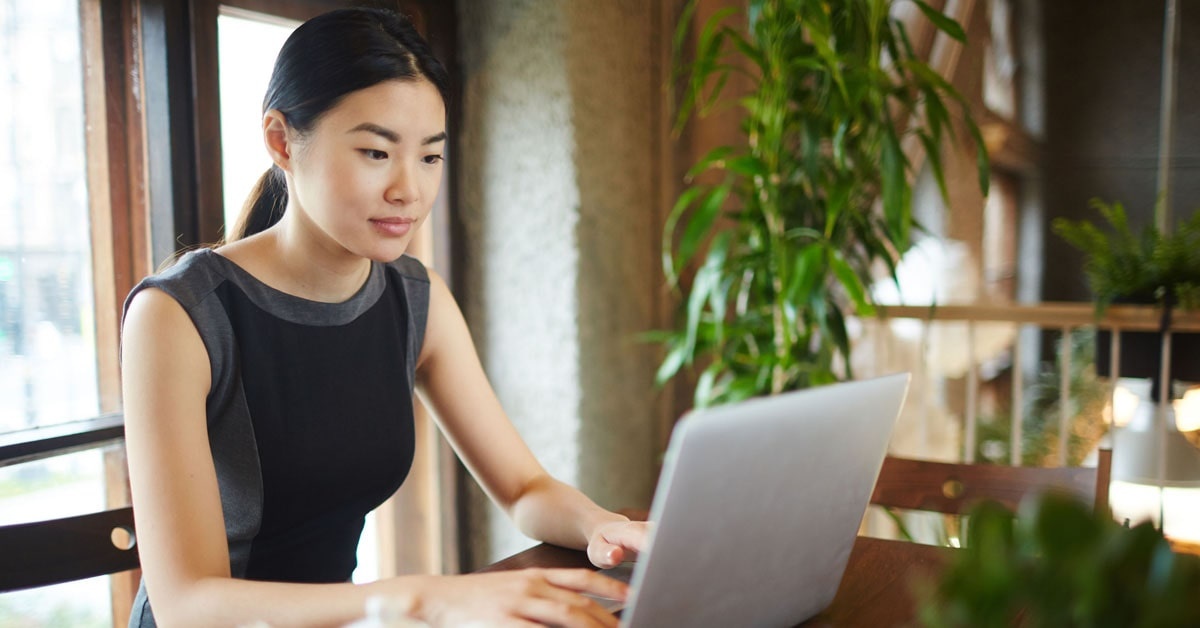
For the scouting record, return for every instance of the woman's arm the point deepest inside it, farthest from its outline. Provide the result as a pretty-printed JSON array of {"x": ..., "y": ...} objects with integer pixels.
[
  {"x": 452, "y": 379},
  {"x": 181, "y": 531}
]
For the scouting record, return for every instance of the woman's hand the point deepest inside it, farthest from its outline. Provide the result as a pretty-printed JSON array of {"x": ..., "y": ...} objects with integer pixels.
[
  {"x": 527, "y": 597},
  {"x": 615, "y": 542}
]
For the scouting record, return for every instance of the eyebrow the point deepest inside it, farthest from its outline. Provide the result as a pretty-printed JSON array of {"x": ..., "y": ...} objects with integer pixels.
[{"x": 393, "y": 136}]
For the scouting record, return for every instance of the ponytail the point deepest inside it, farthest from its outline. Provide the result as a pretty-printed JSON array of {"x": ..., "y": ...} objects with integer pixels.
[{"x": 263, "y": 208}]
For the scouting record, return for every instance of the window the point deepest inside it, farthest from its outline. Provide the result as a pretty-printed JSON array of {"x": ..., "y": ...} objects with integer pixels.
[
  {"x": 247, "y": 44},
  {"x": 48, "y": 349},
  {"x": 46, "y": 298},
  {"x": 107, "y": 119}
]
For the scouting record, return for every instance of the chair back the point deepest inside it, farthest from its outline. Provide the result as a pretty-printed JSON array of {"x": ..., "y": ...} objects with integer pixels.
[
  {"x": 61, "y": 550},
  {"x": 953, "y": 488}
]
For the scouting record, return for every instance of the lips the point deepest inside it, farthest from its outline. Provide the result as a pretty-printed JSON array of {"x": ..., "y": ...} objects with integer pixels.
[{"x": 394, "y": 226}]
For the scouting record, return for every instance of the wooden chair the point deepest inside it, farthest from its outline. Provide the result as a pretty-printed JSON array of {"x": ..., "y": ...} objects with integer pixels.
[
  {"x": 953, "y": 488},
  {"x": 61, "y": 550}
]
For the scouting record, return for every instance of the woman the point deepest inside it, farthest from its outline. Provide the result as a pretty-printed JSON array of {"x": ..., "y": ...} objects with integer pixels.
[{"x": 268, "y": 382}]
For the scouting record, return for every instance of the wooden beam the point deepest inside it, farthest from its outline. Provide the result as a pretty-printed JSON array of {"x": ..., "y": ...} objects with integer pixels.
[{"x": 120, "y": 231}]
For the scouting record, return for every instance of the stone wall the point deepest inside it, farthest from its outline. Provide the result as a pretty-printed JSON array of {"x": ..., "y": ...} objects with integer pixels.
[{"x": 561, "y": 226}]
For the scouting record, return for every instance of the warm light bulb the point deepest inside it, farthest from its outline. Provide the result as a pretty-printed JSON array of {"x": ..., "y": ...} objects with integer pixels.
[
  {"x": 1124, "y": 404},
  {"x": 1187, "y": 411}
]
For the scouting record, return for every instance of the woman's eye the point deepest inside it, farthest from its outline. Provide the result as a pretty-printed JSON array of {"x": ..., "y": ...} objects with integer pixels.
[
  {"x": 371, "y": 153},
  {"x": 432, "y": 159}
]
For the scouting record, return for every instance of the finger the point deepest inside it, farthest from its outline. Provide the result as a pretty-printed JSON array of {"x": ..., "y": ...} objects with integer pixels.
[
  {"x": 631, "y": 536},
  {"x": 509, "y": 622},
  {"x": 586, "y": 581},
  {"x": 605, "y": 555},
  {"x": 576, "y": 613}
]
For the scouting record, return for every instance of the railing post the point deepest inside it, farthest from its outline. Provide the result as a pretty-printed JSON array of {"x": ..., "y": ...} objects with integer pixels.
[
  {"x": 1064, "y": 396},
  {"x": 1015, "y": 448},
  {"x": 972, "y": 395},
  {"x": 926, "y": 388}
]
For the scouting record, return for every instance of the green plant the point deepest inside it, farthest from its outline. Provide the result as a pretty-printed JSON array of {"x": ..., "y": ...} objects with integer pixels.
[
  {"x": 784, "y": 229},
  {"x": 1061, "y": 564},
  {"x": 1150, "y": 267},
  {"x": 1040, "y": 440}
]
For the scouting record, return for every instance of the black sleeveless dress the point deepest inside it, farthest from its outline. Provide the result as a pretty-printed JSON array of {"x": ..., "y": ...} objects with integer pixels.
[{"x": 310, "y": 414}]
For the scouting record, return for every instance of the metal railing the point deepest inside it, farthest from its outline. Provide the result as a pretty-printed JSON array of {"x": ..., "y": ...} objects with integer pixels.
[{"x": 1052, "y": 316}]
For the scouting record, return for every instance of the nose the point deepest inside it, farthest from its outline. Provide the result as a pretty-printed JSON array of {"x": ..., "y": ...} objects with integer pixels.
[{"x": 402, "y": 187}]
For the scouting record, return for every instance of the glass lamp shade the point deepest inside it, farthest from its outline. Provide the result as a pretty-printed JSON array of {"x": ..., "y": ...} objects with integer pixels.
[{"x": 1149, "y": 434}]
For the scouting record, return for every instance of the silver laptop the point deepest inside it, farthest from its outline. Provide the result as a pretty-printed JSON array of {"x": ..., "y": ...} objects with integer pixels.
[{"x": 759, "y": 504}]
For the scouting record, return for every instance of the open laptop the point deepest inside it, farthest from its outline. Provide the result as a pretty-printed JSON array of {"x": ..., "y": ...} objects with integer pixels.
[{"x": 759, "y": 504}]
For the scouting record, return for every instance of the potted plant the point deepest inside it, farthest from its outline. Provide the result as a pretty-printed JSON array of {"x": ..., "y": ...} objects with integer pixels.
[
  {"x": 785, "y": 231},
  {"x": 1061, "y": 564},
  {"x": 1147, "y": 268}
]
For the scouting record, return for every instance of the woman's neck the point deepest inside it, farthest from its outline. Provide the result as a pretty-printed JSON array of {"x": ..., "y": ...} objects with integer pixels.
[
  {"x": 289, "y": 258},
  {"x": 321, "y": 271}
]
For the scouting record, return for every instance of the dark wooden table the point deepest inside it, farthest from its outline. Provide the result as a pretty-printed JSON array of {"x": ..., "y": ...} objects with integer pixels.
[{"x": 876, "y": 589}]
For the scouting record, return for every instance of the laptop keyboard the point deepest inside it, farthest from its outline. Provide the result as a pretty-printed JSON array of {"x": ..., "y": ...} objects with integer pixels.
[{"x": 622, "y": 572}]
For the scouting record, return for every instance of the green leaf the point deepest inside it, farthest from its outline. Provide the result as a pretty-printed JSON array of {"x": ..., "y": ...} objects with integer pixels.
[
  {"x": 853, "y": 285},
  {"x": 682, "y": 26},
  {"x": 702, "y": 397},
  {"x": 896, "y": 193},
  {"x": 982, "y": 163},
  {"x": 836, "y": 326},
  {"x": 936, "y": 114},
  {"x": 670, "y": 265},
  {"x": 710, "y": 160},
  {"x": 718, "y": 297},
  {"x": 839, "y": 143},
  {"x": 747, "y": 48},
  {"x": 942, "y": 22},
  {"x": 672, "y": 363},
  {"x": 836, "y": 205},
  {"x": 934, "y": 153},
  {"x": 902, "y": 30},
  {"x": 706, "y": 279},
  {"x": 807, "y": 274},
  {"x": 929, "y": 77},
  {"x": 701, "y": 222},
  {"x": 747, "y": 165}
]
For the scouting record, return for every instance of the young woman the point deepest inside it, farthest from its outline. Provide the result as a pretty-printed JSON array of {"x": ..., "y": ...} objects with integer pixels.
[{"x": 269, "y": 381}]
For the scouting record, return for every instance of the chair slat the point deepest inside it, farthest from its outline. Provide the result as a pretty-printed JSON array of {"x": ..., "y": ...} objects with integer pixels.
[
  {"x": 60, "y": 550},
  {"x": 952, "y": 488}
]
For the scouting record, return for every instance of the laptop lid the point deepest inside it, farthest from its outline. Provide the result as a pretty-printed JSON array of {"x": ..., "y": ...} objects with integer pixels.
[{"x": 759, "y": 504}]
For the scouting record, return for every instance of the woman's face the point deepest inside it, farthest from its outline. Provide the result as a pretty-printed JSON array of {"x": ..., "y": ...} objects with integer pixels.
[{"x": 364, "y": 179}]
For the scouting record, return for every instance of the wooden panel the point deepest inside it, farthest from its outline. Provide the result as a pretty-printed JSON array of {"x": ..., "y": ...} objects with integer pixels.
[
  {"x": 120, "y": 231},
  {"x": 47, "y": 552}
]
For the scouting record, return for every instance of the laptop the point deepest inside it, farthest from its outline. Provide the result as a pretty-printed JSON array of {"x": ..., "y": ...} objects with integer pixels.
[{"x": 759, "y": 504}]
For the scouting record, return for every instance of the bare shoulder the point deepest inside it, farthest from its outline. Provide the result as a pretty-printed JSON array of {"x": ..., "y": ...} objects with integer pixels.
[
  {"x": 445, "y": 319},
  {"x": 153, "y": 310},
  {"x": 160, "y": 342}
]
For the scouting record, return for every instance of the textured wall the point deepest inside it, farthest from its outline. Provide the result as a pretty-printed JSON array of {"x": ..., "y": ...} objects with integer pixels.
[{"x": 561, "y": 231}]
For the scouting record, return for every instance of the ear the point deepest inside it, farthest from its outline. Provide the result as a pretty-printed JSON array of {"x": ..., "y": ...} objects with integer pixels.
[{"x": 277, "y": 136}]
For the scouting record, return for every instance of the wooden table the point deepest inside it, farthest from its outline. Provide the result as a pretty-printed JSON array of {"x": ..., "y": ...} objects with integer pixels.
[{"x": 876, "y": 589}]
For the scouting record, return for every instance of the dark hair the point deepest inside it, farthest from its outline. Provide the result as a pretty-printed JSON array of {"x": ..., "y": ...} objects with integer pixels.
[{"x": 323, "y": 60}]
